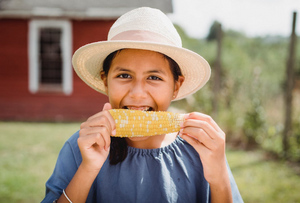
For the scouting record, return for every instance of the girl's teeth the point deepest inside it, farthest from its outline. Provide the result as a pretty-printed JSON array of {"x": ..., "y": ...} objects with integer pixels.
[{"x": 139, "y": 108}]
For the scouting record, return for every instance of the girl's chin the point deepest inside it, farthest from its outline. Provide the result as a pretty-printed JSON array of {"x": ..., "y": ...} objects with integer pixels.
[{"x": 136, "y": 139}]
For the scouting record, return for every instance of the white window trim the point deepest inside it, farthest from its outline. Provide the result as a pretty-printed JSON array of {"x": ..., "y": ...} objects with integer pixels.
[{"x": 33, "y": 51}]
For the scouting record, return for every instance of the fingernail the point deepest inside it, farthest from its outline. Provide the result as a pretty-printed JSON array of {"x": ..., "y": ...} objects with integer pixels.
[
  {"x": 186, "y": 116},
  {"x": 180, "y": 132},
  {"x": 114, "y": 132}
]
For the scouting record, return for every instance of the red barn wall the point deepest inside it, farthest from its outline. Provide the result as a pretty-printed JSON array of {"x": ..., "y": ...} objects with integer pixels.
[{"x": 17, "y": 103}]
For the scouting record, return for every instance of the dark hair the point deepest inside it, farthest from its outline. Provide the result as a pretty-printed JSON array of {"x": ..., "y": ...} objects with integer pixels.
[
  {"x": 118, "y": 146},
  {"x": 176, "y": 72}
]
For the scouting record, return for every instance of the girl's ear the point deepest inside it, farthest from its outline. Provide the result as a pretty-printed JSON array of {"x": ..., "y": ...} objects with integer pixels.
[
  {"x": 104, "y": 79},
  {"x": 177, "y": 86}
]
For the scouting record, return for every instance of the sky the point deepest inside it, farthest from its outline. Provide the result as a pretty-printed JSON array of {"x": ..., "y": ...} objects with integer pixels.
[{"x": 253, "y": 17}]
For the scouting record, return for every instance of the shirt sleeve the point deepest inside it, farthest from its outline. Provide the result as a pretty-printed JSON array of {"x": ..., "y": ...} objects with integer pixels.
[
  {"x": 236, "y": 196},
  {"x": 66, "y": 166}
]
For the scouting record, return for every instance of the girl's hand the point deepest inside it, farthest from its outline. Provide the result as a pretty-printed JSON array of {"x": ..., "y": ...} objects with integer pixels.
[
  {"x": 202, "y": 132},
  {"x": 94, "y": 139}
]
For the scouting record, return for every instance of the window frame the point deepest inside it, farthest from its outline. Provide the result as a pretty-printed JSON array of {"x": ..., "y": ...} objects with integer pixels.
[{"x": 35, "y": 85}]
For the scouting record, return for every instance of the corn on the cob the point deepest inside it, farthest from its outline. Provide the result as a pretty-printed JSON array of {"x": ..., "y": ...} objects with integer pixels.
[{"x": 136, "y": 123}]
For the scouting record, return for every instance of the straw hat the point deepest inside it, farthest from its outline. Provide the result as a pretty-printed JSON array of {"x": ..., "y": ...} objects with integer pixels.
[{"x": 148, "y": 29}]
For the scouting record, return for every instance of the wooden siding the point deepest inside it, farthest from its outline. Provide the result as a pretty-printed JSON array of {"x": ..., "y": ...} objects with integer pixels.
[
  {"x": 17, "y": 103},
  {"x": 74, "y": 9}
]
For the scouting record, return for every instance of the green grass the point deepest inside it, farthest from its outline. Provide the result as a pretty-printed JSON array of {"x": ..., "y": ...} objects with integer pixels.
[
  {"x": 263, "y": 180},
  {"x": 28, "y": 153}
]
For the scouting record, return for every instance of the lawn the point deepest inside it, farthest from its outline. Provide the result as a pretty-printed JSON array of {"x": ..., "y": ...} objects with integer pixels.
[{"x": 28, "y": 152}]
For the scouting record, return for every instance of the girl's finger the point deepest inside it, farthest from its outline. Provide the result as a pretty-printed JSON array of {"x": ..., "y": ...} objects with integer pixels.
[
  {"x": 200, "y": 135},
  {"x": 101, "y": 121},
  {"x": 105, "y": 133},
  {"x": 102, "y": 130},
  {"x": 106, "y": 107},
  {"x": 198, "y": 146},
  {"x": 90, "y": 140},
  {"x": 204, "y": 117},
  {"x": 104, "y": 112},
  {"x": 200, "y": 124}
]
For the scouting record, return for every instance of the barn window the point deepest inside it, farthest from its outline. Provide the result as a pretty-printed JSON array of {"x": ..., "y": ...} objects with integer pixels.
[{"x": 50, "y": 56}]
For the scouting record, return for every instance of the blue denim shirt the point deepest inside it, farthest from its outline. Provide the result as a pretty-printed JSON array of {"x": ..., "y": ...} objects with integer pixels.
[{"x": 170, "y": 174}]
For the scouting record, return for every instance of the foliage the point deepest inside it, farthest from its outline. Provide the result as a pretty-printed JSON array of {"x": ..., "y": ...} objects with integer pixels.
[
  {"x": 251, "y": 98},
  {"x": 295, "y": 141},
  {"x": 254, "y": 123},
  {"x": 213, "y": 31}
]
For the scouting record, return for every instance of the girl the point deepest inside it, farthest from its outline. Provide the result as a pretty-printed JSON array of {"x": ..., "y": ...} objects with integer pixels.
[{"x": 142, "y": 66}]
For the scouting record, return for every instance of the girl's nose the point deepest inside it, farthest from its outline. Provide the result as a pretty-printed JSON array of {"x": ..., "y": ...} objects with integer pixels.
[{"x": 138, "y": 90}]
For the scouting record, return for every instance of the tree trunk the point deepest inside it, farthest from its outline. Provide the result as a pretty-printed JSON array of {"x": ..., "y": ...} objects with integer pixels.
[
  {"x": 217, "y": 77},
  {"x": 288, "y": 90}
]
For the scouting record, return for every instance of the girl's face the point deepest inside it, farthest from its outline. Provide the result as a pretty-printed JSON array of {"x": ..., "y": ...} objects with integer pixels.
[{"x": 141, "y": 80}]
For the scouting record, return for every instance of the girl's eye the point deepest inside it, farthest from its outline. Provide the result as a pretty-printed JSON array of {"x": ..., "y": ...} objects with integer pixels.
[
  {"x": 154, "y": 78},
  {"x": 124, "y": 76}
]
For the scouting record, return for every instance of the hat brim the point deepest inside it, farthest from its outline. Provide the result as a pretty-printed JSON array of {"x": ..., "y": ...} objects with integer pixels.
[{"x": 88, "y": 60}]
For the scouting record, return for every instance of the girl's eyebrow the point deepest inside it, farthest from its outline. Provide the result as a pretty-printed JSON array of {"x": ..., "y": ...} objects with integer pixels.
[
  {"x": 157, "y": 71},
  {"x": 121, "y": 69},
  {"x": 147, "y": 72}
]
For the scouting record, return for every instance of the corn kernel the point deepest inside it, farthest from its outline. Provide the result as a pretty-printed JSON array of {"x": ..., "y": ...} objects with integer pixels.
[{"x": 136, "y": 123}]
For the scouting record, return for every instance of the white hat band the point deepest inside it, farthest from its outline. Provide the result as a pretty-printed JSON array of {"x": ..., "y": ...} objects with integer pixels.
[{"x": 143, "y": 36}]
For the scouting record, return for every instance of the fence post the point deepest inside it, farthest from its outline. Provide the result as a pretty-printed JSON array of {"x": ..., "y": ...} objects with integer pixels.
[
  {"x": 217, "y": 77},
  {"x": 288, "y": 90}
]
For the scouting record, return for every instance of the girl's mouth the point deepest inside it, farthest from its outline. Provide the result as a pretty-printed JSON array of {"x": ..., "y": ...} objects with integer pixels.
[{"x": 141, "y": 108}]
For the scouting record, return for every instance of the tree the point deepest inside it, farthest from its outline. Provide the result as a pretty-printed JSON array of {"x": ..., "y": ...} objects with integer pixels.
[
  {"x": 213, "y": 31},
  {"x": 216, "y": 33}
]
